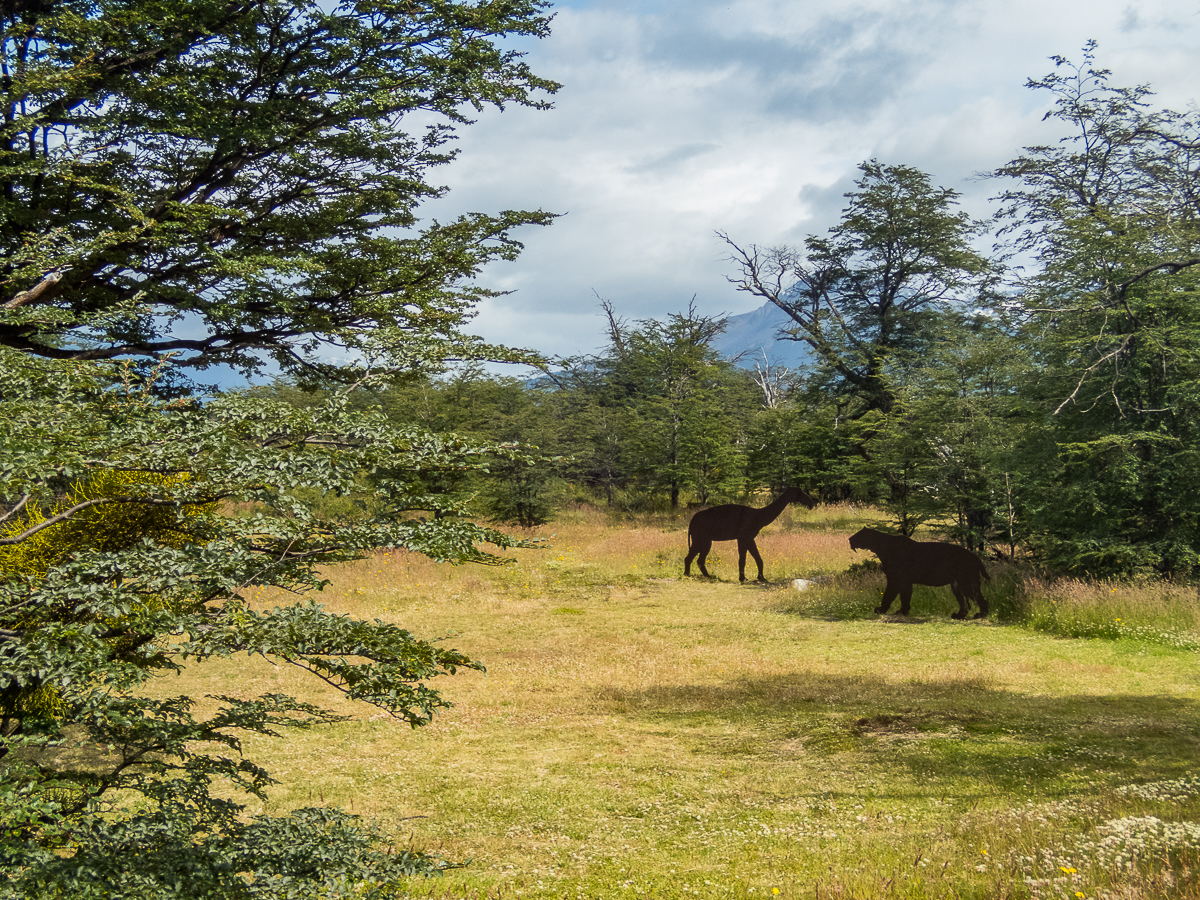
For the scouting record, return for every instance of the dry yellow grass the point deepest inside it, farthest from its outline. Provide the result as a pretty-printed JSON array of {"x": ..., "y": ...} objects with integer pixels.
[{"x": 640, "y": 734}]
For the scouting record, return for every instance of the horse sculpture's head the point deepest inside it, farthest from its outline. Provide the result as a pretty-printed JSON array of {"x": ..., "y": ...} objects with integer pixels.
[{"x": 795, "y": 495}]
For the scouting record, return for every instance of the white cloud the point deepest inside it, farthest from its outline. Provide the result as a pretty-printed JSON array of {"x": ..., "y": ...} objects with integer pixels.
[{"x": 680, "y": 117}]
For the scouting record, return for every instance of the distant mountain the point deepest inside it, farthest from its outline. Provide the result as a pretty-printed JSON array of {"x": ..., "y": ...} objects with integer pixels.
[{"x": 748, "y": 335}]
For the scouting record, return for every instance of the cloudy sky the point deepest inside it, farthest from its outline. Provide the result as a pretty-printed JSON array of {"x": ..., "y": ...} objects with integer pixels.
[{"x": 681, "y": 117}]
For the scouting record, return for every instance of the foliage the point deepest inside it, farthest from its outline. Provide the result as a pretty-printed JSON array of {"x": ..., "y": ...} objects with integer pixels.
[
  {"x": 797, "y": 443},
  {"x": 664, "y": 408},
  {"x": 863, "y": 296},
  {"x": 109, "y": 511},
  {"x": 312, "y": 852},
  {"x": 513, "y": 488},
  {"x": 1160, "y": 614},
  {"x": 944, "y": 454},
  {"x": 187, "y": 185},
  {"x": 1113, "y": 215},
  {"x": 236, "y": 181},
  {"x": 138, "y": 570},
  {"x": 522, "y": 493}
]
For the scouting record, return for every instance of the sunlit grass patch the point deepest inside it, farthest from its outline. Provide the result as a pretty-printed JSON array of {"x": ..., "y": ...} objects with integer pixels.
[
  {"x": 847, "y": 595},
  {"x": 841, "y": 518},
  {"x": 1134, "y": 841}
]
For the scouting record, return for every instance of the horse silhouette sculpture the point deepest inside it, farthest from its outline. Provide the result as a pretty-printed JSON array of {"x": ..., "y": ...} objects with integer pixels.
[
  {"x": 733, "y": 522},
  {"x": 907, "y": 562}
]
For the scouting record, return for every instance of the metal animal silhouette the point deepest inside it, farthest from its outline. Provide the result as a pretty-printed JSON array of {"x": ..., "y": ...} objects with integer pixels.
[
  {"x": 907, "y": 562},
  {"x": 734, "y": 522}
]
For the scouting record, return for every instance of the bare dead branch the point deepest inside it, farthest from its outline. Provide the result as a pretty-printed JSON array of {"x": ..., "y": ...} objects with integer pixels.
[
  {"x": 1092, "y": 368},
  {"x": 26, "y": 297},
  {"x": 79, "y": 507}
]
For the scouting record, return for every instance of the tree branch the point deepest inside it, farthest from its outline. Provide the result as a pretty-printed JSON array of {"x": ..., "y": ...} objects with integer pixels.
[
  {"x": 46, "y": 285},
  {"x": 79, "y": 507}
]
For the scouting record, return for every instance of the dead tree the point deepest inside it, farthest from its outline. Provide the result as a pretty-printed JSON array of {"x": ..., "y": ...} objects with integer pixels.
[{"x": 734, "y": 522}]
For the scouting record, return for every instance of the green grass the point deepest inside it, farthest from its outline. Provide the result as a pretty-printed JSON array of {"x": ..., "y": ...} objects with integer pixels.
[
  {"x": 1166, "y": 614},
  {"x": 638, "y": 734}
]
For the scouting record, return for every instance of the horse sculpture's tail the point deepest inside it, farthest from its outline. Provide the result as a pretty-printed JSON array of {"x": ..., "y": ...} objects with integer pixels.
[{"x": 983, "y": 570}]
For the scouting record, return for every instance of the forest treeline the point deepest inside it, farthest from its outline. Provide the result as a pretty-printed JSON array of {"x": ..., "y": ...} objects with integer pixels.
[{"x": 1039, "y": 399}]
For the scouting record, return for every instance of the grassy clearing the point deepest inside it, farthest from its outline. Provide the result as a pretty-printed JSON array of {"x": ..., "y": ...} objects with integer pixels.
[{"x": 642, "y": 735}]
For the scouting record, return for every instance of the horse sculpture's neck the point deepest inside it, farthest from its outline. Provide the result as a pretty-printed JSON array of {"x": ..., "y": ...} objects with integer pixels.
[{"x": 768, "y": 514}]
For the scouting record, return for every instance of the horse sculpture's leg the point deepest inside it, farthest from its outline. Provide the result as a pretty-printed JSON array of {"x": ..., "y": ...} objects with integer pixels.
[
  {"x": 742, "y": 547},
  {"x": 905, "y": 599},
  {"x": 703, "y": 547},
  {"x": 753, "y": 548}
]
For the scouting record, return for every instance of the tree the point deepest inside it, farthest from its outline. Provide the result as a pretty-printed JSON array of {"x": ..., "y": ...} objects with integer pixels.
[
  {"x": 118, "y": 562},
  {"x": 1112, "y": 215},
  {"x": 599, "y": 425},
  {"x": 678, "y": 404},
  {"x": 870, "y": 298},
  {"x": 863, "y": 296},
  {"x": 233, "y": 181},
  {"x": 219, "y": 180},
  {"x": 944, "y": 452},
  {"x": 516, "y": 489},
  {"x": 801, "y": 443}
]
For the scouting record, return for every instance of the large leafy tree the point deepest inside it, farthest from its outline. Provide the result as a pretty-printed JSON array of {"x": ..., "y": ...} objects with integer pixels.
[
  {"x": 1111, "y": 213},
  {"x": 873, "y": 298},
  {"x": 119, "y": 560},
  {"x": 864, "y": 295},
  {"x": 237, "y": 180},
  {"x": 219, "y": 181}
]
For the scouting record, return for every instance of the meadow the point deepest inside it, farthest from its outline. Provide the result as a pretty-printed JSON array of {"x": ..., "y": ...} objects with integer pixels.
[{"x": 639, "y": 734}]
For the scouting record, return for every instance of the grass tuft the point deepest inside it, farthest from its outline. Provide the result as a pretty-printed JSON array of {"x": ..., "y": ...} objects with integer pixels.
[{"x": 1156, "y": 613}]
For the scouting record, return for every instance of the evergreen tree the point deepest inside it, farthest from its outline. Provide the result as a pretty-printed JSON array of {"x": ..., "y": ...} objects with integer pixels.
[
  {"x": 802, "y": 443},
  {"x": 1112, "y": 213},
  {"x": 679, "y": 406}
]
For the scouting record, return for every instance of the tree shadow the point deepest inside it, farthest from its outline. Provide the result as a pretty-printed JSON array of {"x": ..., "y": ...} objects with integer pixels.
[{"x": 951, "y": 731}]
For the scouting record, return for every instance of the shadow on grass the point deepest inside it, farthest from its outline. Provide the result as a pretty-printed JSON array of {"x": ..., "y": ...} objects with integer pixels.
[{"x": 936, "y": 731}]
